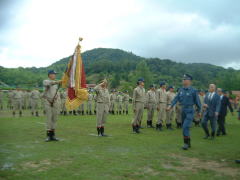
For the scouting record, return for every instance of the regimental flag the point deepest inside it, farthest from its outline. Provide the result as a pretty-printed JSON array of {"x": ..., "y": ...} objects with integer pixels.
[{"x": 74, "y": 79}]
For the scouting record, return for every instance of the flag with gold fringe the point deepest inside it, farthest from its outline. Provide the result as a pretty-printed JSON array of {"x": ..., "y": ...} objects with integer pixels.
[{"x": 74, "y": 79}]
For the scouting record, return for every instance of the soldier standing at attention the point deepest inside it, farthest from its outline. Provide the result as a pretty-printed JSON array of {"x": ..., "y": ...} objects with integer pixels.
[
  {"x": 103, "y": 103},
  {"x": 119, "y": 102},
  {"x": 138, "y": 104},
  {"x": 178, "y": 115},
  {"x": 187, "y": 96},
  {"x": 35, "y": 97},
  {"x": 197, "y": 119},
  {"x": 126, "y": 98},
  {"x": 9, "y": 96},
  {"x": 161, "y": 105},
  {"x": 81, "y": 109},
  {"x": 89, "y": 102},
  {"x": 1, "y": 100},
  {"x": 51, "y": 104},
  {"x": 17, "y": 97},
  {"x": 170, "y": 114},
  {"x": 113, "y": 98},
  {"x": 151, "y": 103}
]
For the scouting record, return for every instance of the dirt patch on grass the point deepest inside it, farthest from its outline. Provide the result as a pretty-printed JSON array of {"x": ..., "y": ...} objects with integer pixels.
[
  {"x": 195, "y": 164},
  {"x": 43, "y": 165}
]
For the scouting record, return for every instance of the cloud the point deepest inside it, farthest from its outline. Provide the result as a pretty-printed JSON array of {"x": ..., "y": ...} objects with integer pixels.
[{"x": 42, "y": 32}]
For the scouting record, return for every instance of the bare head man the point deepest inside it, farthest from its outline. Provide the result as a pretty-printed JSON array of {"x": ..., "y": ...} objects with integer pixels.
[
  {"x": 212, "y": 88},
  {"x": 219, "y": 91}
]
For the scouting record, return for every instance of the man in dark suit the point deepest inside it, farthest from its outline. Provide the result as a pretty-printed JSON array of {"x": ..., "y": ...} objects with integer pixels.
[
  {"x": 225, "y": 103},
  {"x": 212, "y": 108}
]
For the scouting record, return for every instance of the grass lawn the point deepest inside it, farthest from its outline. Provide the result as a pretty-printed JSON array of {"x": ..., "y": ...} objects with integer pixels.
[{"x": 122, "y": 155}]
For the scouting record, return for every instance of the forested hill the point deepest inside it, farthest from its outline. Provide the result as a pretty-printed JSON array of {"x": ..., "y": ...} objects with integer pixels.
[{"x": 123, "y": 68}]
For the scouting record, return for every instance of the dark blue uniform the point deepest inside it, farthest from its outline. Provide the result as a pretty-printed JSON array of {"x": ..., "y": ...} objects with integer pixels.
[{"x": 187, "y": 97}]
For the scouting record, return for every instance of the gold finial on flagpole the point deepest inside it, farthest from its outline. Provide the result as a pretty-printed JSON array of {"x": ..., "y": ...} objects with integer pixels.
[{"x": 79, "y": 40}]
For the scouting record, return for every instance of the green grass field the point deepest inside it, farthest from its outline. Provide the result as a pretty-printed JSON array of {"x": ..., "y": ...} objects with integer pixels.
[{"x": 122, "y": 155}]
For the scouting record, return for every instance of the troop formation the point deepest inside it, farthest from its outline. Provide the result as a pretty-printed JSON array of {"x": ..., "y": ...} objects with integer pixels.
[{"x": 181, "y": 106}]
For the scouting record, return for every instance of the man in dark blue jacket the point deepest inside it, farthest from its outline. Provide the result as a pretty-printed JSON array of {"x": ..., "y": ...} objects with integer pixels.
[
  {"x": 212, "y": 107},
  {"x": 225, "y": 103}
]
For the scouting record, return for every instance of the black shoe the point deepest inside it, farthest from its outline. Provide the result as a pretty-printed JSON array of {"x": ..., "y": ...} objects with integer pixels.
[
  {"x": 157, "y": 126},
  {"x": 64, "y": 113},
  {"x": 20, "y": 114},
  {"x": 95, "y": 112},
  {"x": 74, "y": 113},
  {"x": 37, "y": 114},
  {"x": 90, "y": 112},
  {"x": 169, "y": 127},
  {"x": 126, "y": 112},
  {"x": 123, "y": 112},
  {"x": 87, "y": 112},
  {"x": 160, "y": 127},
  {"x": 48, "y": 136},
  {"x": 137, "y": 129},
  {"x": 52, "y": 136},
  {"x": 186, "y": 144},
  {"x": 82, "y": 112},
  {"x": 32, "y": 114}
]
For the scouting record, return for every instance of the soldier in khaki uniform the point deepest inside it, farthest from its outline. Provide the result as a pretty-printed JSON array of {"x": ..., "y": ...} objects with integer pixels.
[
  {"x": 90, "y": 102},
  {"x": 51, "y": 100},
  {"x": 170, "y": 114},
  {"x": 161, "y": 105},
  {"x": 113, "y": 98},
  {"x": 126, "y": 98},
  {"x": 35, "y": 97},
  {"x": 151, "y": 103},
  {"x": 138, "y": 105},
  {"x": 10, "y": 99},
  {"x": 63, "y": 96},
  {"x": 103, "y": 104},
  {"x": 1, "y": 99},
  {"x": 178, "y": 115},
  {"x": 17, "y": 97},
  {"x": 119, "y": 103},
  {"x": 81, "y": 109}
]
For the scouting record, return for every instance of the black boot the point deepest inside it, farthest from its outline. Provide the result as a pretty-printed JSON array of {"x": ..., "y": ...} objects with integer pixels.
[
  {"x": 32, "y": 113},
  {"x": 160, "y": 127},
  {"x": 126, "y": 112},
  {"x": 170, "y": 127},
  {"x": 157, "y": 126},
  {"x": 189, "y": 142},
  {"x": 95, "y": 112},
  {"x": 53, "y": 138},
  {"x": 64, "y": 113},
  {"x": 113, "y": 112},
  {"x": 123, "y": 111},
  {"x": 212, "y": 135},
  {"x": 87, "y": 112},
  {"x": 102, "y": 132},
  {"x": 74, "y": 112},
  {"x": 82, "y": 112},
  {"x": 98, "y": 131},
  {"x": 37, "y": 114},
  {"x": 48, "y": 136},
  {"x": 20, "y": 113},
  {"x": 90, "y": 112},
  {"x": 148, "y": 123},
  {"x": 207, "y": 134},
  {"x": 137, "y": 129},
  {"x": 70, "y": 112},
  {"x": 134, "y": 128},
  {"x": 120, "y": 112},
  {"x": 186, "y": 143}
]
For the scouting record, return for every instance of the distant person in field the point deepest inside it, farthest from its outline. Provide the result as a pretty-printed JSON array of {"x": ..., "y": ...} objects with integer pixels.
[
  {"x": 51, "y": 104},
  {"x": 187, "y": 96},
  {"x": 17, "y": 99},
  {"x": 225, "y": 104},
  {"x": 102, "y": 106},
  {"x": 151, "y": 103},
  {"x": 1, "y": 99},
  {"x": 138, "y": 105},
  {"x": 212, "y": 106}
]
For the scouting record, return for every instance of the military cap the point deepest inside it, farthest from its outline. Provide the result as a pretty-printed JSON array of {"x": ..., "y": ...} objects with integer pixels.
[
  {"x": 152, "y": 86},
  {"x": 51, "y": 72},
  {"x": 162, "y": 83},
  {"x": 187, "y": 77},
  {"x": 170, "y": 87},
  {"x": 140, "y": 80}
]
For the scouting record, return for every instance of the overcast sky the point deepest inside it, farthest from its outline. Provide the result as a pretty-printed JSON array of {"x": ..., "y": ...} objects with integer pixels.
[{"x": 40, "y": 32}]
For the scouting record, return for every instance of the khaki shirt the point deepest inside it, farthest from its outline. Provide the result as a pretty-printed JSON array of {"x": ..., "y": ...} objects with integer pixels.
[
  {"x": 170, "y": 97},
  {"x": 1, "y": 95},
  {"x": 17, "y": 94},
  {"x": 113, "y": 97},
  {"x": 126, "y": 97},
  {"x": 151, "y": 97},
  {"x": 161, "y": 96},
  {"x": 138, "y": 95},
  {"x": 35, "y": 94},
  {"x": 50, "y": 89},
  {"x": 102, "y": 95},
  {"x": 119, "y": 98}
]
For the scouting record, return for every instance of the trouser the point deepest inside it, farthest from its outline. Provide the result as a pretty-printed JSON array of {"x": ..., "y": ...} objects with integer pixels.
[
  {"x": 138, "y": 113},
  {"x": 161, "y": 113},
  {"x": 81, "y": 107},
  {"x": 63, "y": 107},
  {"x": 102, "y": 112},
  {"x": 221, "y": 124},
  {"x": 119, "y": 106},
  {"x": 150, "y": 114},
  {"x": 1, "y": 104},
  {"x": 187, "y": 118},
  {"x": 170, "y": 116},
  {"x": 179, "y": 115},
  {"x": 51, "y": 115},
  {"x": 213, "y": 122},
  {"x": 112, "y": 106},
  {"x": 34, "y": 105},
  {"x": 125, "y": 106},
  {"x": 89, "y": 106},
  {"x": 17, "y": 105}
]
